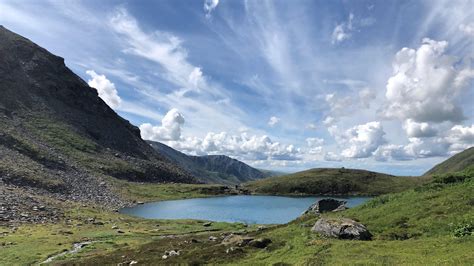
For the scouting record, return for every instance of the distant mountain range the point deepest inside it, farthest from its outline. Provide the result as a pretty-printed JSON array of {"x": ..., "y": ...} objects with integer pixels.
[{"x": 218, "y": 169}]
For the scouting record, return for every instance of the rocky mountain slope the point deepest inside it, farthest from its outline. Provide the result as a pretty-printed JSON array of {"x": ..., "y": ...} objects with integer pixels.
[
  {"x": 334, "y": 181},
  {"x": 218, "y": 169},
  {"x": 459, "y": 162},
  {"x": 58, "y": 137}
]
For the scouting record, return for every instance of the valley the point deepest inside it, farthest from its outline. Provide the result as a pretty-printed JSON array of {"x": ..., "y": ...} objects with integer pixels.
[{"x": 69, "y": 163}]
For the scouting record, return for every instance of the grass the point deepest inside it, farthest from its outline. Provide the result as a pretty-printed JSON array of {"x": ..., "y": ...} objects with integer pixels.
[
  {"x": 418, "y": 226},
  {"x": 463, "y": 161},
  {"x": 334, "y": 181},
  {"x": 31, "y": 244},
  {"x": 168, "y": 191}
]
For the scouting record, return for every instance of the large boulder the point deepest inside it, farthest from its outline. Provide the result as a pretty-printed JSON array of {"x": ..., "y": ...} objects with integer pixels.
[
  {"x": 327, "y": 205},
  {"x": 341, "y": 228}
]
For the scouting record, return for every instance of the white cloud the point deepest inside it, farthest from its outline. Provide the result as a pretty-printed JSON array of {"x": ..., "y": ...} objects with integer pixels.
[
  {"x": 339, "y": 34},
  {"x": 347, "y": 104},
  {"x": 209, "y": 6},
  {"x": 170, "y": 128},
  {"x": 461, "y": 137},
  {"x": 362, "y": 140},
  {"x": 366, "y": 96},
  {"x": 315, "y": 145},
  {"x": 344, "y": 30},
  {"x": 331, "y": 156},
  {"x": 312, "y": 126},
  {"x": 457, "y": 139},
  {"x": 242, "y": 146},
  {"x": 105, "y": 88},
  {"x": 328, "y": 121},
  {"x": 419, "y": 130},
  {"x": 162, "y": 48},
  {"x": 426, "y": 84},
  {"x": 273, "y": 121},
  {"x": 468, "y": 29}
]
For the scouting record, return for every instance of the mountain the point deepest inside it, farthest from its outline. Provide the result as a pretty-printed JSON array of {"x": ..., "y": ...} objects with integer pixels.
[
  {"x": 58, "y": 136},
  {"x": 334, "y": 181},
  {"x": 460, "y": 162},
  {"x": 218, "y": 169}
]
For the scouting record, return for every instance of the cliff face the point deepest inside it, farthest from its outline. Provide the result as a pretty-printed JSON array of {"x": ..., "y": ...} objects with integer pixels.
[
  {"x": 217, "y": 169},
  {"x": 58, "y": 136}
]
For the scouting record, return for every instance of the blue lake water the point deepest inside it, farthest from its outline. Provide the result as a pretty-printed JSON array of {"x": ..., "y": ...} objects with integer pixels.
[{"x": 245, "y": 209}]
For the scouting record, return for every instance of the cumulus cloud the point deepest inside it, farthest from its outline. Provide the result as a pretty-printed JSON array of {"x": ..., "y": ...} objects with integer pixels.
[
  {"x": 209, "y": 6},
  {"x": 105, "y": 88},
  {"x": 419, "y": 130},
  {"x": 366, "y": 96},
  {"x": 416, "y": 148},
  {"x": 457, "y": 139},
  {"x": 331, "y": 156},
  {"x": 359, "y": 141},
  {"x": 461, "y": 138},
  {"x": 426, "y": 84},
  {"x": 468, "y": 29},
  {"x": 170, "y": 128},
  {"x": 241, "y": 146},
  {"x": 315, "y": 145},
  {"x": 273, "y": 121}
]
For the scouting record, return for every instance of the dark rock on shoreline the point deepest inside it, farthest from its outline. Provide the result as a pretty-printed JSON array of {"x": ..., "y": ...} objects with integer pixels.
[{"x": 327, "y": 205}]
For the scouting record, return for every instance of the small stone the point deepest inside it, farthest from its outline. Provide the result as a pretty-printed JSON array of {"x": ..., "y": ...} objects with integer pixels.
[
  {"x": 213, "y": 238},
  {"x": 133, "y": 262},
  {"x": 207, "y": 224},
  {"x": 115, "y": 227},
  {"x": 164, "y": 257}
]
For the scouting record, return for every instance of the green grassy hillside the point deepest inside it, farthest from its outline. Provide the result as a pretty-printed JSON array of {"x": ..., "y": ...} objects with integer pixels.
[
  {"x": 459, "y": 162},
  {"x": 334, "y": 181},
  {"x": 428, "y": 225}
]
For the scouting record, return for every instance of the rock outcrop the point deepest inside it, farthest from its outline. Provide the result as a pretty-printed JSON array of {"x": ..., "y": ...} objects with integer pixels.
[
  {"x": 327, "y": 205},
  {"x": 341, "y": 228}
]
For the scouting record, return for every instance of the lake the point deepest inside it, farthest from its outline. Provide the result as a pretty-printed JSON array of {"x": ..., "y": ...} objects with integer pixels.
[{"x": 243, "y": 208}]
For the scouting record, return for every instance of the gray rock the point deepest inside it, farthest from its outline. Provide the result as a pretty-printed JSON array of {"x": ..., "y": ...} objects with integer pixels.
[
  {"x": 236, "y": 240},
  {"x": 207, "y": 224},
  {"x": 342, "y": 228},
  {"x": 327, "y": 205}
]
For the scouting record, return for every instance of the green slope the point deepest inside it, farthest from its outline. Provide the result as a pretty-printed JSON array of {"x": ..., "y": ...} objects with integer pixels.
[
  {"x": 334, "y": 181},
  {"x": 459, "y": 162}
]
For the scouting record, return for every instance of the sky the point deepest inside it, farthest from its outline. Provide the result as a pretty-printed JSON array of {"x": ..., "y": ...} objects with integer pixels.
[{"x": 282, "y": 85}]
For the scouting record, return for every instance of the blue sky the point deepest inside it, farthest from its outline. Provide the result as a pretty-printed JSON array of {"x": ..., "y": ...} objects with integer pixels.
[{"x": 284, "y": 85}]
